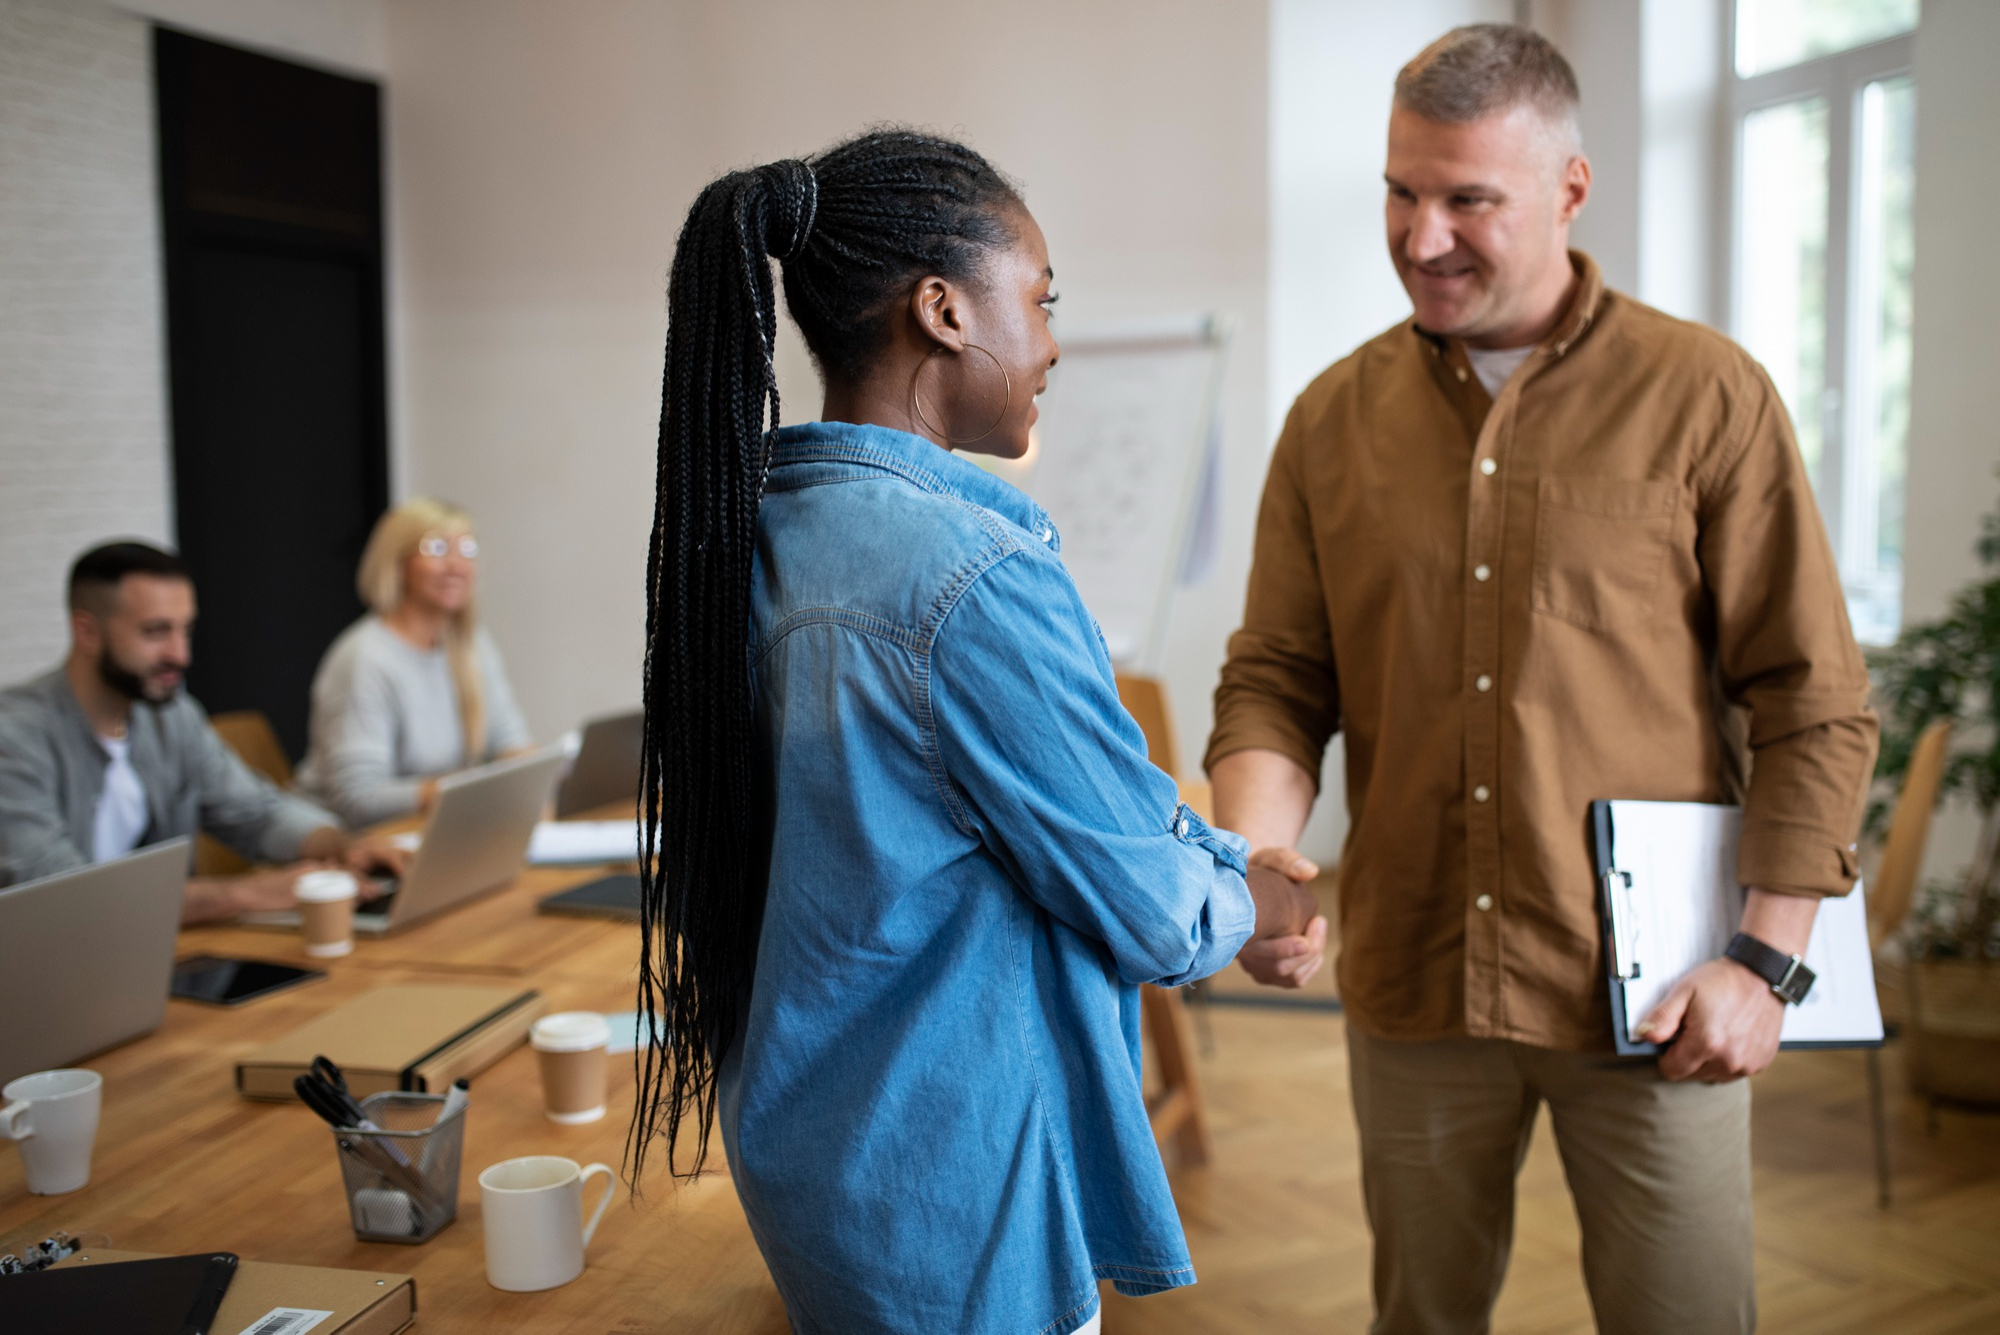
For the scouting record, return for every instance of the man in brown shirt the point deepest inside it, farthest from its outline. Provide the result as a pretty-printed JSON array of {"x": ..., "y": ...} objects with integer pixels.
[{"x": 1540, "y": 544}]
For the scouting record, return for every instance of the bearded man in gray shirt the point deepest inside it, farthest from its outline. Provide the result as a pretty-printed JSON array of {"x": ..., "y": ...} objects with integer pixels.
[{"x": 106, "y": 753}]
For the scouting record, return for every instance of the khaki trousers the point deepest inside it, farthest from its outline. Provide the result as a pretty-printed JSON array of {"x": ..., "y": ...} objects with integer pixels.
[{"x": 1660, "y": 1173}]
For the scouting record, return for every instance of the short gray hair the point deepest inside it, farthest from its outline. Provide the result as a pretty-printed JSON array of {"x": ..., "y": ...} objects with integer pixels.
[{"x": 1487, "y": 69}]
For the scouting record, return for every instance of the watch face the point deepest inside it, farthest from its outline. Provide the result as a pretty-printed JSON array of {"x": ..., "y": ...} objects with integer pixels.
[{"x": 1797, "y": 982}]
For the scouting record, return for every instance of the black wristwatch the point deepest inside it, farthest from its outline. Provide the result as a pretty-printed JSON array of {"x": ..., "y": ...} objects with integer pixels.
[{"x": 1787, "y": 974}]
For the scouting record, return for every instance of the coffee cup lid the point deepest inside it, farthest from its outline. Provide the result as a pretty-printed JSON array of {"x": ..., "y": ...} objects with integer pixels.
[
  {"x": 324, "y": 887},
  {"x": 570, "y": 1031}
]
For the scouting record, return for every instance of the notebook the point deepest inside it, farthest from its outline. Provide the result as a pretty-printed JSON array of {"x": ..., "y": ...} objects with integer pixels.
[{"x": 417, "y": 1037}]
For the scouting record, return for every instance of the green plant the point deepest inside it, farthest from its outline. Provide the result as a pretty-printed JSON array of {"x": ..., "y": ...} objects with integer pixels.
[{"x": 1950, "y": 669}]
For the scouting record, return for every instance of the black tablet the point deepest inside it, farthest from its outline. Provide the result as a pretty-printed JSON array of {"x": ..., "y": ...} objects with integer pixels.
[
  {"x": 163, "y": 1295},
  {"x": 614, "y": 896},
  {"x": 226, "y": 982}
]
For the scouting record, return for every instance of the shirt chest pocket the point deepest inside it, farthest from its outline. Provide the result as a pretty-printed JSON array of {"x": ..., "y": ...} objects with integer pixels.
[{"x": 1600, "y": 547}]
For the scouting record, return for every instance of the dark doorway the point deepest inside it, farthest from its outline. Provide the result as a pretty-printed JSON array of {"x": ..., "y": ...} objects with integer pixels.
[{"x": 271, "y": 205}]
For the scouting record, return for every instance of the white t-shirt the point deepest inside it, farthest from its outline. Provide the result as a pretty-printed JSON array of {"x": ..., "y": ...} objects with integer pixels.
[
  {"x": 1494, "y": 365},
  {"x": 121, "y": 810}
]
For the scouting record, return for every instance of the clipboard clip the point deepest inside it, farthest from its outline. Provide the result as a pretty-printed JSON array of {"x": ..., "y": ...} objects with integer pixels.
[{"x": 1617, "y": 888}]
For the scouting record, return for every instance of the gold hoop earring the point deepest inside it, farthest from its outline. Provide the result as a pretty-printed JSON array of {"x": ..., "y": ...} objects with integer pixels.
[{"x": 917, "y": 403}]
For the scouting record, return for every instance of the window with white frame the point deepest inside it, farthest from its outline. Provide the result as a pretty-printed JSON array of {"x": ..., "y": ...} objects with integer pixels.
[{"x": 1823, "y": 108}]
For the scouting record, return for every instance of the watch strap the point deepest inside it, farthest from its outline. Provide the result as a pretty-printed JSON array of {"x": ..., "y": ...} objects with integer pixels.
[{"x": 1787, "y": 974}]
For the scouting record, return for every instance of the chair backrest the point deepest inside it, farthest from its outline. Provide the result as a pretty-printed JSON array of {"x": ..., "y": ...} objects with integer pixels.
[
  {"x": 1145, "y": 699},
  {"x": 250, "y": 735},
  {"x": 1895, "y": 885}
]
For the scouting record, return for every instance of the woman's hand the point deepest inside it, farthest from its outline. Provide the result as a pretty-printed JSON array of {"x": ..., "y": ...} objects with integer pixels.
[{"x": 1288, "y": 945}]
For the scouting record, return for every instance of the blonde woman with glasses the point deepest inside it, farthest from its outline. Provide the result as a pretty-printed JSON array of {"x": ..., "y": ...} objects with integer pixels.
[{"x": 415, "y": 689}]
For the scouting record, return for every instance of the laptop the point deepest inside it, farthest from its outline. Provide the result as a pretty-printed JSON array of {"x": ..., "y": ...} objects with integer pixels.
[
  {"x": 607, "y": 764},
  {"x": 86, "y": 957},
  {"x": 475, "y": 840}
]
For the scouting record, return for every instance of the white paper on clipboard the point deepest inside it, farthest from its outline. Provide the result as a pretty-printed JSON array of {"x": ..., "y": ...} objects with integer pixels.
[{"x": 1675, "y": 903}]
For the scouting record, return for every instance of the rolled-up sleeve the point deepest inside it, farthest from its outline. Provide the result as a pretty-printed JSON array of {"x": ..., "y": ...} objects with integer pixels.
[
  {"x": 1036, "y": 755},
  {"x": 1279, "y": 689},
  {"x": 1785, "y": 653}
]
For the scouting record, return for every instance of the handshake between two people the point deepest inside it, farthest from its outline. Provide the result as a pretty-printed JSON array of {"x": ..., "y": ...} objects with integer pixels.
[{"x": 1288, "y": 945}]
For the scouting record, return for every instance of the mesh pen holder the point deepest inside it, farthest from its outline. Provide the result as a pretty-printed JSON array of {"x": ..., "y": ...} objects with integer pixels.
[{"x": 402, "y": 1179}]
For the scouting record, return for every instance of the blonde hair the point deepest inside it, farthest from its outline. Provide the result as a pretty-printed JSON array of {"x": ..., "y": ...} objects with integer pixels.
[{"x": 380, "y": 583}]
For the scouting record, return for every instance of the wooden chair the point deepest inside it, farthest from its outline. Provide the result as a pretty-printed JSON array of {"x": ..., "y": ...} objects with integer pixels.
[
  {"x": 1893, "y": 892},
  {"x": 250, "y": 735},
  {"x": 1177, "y": 1111}
]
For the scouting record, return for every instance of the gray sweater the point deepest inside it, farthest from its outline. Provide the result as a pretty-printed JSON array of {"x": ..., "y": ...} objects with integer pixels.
[
  {"x": 385, "y": 717},
  {"x": 52, "y": 774}
]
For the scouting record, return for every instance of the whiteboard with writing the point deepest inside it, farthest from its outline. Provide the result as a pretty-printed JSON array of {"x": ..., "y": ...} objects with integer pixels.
[{"x": 1118, "y": 462}]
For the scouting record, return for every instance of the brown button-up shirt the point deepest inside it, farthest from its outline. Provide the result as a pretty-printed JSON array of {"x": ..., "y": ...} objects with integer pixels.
[{"x": 1612, "y": 582}]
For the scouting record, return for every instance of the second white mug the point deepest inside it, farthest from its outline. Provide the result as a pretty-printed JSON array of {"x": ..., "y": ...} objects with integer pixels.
[
  {"x": 53, "y": 1115},
  {"x": 533, "y": 1217}
]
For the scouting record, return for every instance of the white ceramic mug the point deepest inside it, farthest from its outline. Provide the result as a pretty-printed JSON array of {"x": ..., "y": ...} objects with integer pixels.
[
  {"x": 53, "y": 1114},
  {"x": 533, "y": 1209}
]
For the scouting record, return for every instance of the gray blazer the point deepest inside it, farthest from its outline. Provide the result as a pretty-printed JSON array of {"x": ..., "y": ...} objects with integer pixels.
[{"x": 52, "y": 774}]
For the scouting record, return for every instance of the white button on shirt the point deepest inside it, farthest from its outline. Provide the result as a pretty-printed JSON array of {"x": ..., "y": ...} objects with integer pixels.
[
  {"x": 1484, "y": 682},
  {"x": 1484, "y": 903},
  {"x": 1482, "y": 573},
  {"x": 121, "y": 809},
  {"x": 1481, "y": 793},
  {"x": 1487, "y": 466}
]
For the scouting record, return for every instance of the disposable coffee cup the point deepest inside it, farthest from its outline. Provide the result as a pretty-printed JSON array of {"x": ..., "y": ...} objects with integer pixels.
[
  {"x": 326, "y": 911},
  {"x": 570, "y": 1048}
]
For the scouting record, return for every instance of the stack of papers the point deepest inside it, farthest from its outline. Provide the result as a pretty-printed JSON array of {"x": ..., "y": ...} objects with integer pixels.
[{"x": 583, "y": 842}]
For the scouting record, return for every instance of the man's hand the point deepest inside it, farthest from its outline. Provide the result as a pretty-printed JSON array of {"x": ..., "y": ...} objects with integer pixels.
[
  {"x": 1289, "y": 943},
  {"x": 1723, "y": 1021},
  {"x": 375, "y": 855}
]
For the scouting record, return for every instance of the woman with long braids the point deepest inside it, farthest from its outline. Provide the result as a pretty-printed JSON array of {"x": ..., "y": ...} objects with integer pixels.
[{"x": 906, "y": 862}]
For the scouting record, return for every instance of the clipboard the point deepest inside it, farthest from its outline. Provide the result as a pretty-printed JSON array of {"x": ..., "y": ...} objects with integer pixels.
[{"x": 1668, "y": 900}]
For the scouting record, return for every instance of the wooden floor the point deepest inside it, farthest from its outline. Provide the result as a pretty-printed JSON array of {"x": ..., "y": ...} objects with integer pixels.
[{"x": 1276, "y": 1228}]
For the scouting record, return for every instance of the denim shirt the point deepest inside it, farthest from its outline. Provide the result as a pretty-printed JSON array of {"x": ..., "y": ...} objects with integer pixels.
[{"x": 934, "y": 1116}]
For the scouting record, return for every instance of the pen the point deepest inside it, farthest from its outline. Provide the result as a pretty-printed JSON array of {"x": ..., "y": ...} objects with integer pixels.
[{"x": 454, "y": 1098}]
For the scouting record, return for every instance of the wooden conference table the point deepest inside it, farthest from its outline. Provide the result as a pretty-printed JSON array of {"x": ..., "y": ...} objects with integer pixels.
[{"x": 183, "y": 1164}]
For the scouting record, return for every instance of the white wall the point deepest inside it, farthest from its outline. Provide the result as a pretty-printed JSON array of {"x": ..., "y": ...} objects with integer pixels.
[
  {"x": 1333, "y": 71},
  {"x": 82, "y": 406},
  {"x": 342, "y": 35},
  {"x": 83, "y": 422},
  {"x": 541, "y": 167},
  {"x": 1650, "y": 72},
  {"x": 1954, "y": 441}
]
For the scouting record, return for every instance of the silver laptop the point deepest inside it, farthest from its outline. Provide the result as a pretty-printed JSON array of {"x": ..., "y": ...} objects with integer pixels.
[
  {"x": 476, "y": 839},
  {"x": 607, "y": 765},
  {"x": 86, "y": 957}
]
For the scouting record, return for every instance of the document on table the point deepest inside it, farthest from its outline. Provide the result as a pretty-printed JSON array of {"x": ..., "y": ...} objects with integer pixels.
[
  {"x": 1668, "y": 892},
  {"x": 582, "y": 842}
]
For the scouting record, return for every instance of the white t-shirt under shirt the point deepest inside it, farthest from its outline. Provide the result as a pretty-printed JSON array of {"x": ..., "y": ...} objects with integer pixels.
[
  {"x": 1493, "y": 366},
  {"x": 121, "y": 809}
]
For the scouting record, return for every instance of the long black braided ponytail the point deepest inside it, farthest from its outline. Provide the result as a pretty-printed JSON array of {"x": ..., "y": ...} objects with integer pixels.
[{"x": 854, "y": 227}]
